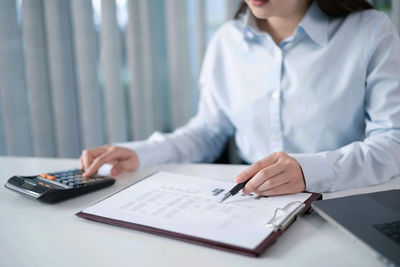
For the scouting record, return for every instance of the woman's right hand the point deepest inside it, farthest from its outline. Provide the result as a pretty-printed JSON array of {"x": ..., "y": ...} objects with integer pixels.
[{"x": 122, "y": 159}]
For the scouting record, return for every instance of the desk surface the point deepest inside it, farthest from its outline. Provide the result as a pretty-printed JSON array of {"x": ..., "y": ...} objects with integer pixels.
[{"x": 33, "y": 233}]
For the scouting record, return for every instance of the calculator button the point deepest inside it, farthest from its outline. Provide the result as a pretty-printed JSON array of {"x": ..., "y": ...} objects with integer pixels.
[
  {"x": 43, "y": 175},
  {"x": 51, "y": 177}
]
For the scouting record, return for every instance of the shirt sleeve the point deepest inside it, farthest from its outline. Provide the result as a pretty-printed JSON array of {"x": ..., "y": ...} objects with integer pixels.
[
  {"x": 201, "y": 140},
  {"x": 376, "y": 158}
]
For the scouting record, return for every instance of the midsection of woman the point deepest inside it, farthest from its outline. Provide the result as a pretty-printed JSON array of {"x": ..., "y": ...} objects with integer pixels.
[
  {"x": 328, "y": 95},
  {"x": 305, "y": 94}
]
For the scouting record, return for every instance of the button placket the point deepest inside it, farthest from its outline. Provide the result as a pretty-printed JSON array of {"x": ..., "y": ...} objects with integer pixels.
[{"x": 275, "y": 105}]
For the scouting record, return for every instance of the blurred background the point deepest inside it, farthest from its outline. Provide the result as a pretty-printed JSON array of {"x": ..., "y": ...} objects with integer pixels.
[{"x": 77, "y": 74}]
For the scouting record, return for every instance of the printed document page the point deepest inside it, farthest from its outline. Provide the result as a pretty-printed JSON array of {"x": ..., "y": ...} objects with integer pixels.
[{"x": 190, "y": 205}]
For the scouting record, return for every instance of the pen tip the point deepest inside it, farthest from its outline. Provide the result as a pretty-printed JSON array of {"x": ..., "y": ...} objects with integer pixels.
[{"x": 225, "y": 197}]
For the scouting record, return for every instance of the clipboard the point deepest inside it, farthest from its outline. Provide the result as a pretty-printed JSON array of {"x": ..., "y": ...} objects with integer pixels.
[{"x": 269, "y": 240}]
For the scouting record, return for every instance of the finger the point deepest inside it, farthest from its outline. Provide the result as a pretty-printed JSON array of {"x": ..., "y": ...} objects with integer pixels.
[
  {"x": 81, "y": 163},
  {"x": 255, "y": 168},
  {"x": 262, "y": 176},
  {"x": 273, "y": 182},
  {"x": 99, "y": 161},
  {"x": 87, "y": 159},
  {"x": 284, "y": 189},
  {"x": 89, "y": 154},
  {"x": 121, "y": 166}
]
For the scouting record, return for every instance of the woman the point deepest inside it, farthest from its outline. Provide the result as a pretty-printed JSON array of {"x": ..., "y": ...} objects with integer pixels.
[{"x": 310, "y": 89}]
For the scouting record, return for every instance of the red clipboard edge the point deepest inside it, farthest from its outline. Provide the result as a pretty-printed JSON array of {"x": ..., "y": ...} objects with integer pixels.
[{"x": 266, "y": 243}]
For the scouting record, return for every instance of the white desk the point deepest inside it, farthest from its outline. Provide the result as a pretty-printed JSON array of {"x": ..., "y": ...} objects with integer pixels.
[{"x": 37, "y": 234}]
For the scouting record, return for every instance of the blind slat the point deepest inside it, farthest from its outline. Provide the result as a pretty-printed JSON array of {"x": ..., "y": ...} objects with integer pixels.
[
  {"x": 111, "y": 64},
  {"x": 136, "y": 73},
  {"x": 178, "y": 62},
  {"x": 13, "y": 91},
  {"x": 37, "y": 78},
  {"x": 161, "y": 92},
  {"x": 3, "y": 148},
  {"x": 231, "y": 7},
  {"x": 147, "y": 67},
  {"x": 396, "y": 14},
  {"x": 200, "y": 32},
  {"x": 62, "y": 77},
  {"x": 86, "y": 72}
]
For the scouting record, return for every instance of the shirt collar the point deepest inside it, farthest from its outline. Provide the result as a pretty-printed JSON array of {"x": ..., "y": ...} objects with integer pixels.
[{"x": 315, "y": 24}]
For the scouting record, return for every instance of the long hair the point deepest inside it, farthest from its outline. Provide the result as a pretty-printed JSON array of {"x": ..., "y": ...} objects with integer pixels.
[{"x": 333, "y": 8}]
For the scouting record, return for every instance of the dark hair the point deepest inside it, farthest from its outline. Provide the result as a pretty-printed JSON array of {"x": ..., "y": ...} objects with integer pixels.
[{"x": 334, "y": 8}]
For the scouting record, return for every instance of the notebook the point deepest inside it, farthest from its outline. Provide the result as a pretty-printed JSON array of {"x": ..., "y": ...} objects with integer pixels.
[{"x": 187, "y": 208}]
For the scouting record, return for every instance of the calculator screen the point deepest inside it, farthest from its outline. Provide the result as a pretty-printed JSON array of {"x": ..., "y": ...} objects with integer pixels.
[{"x": 27, "y": 185}]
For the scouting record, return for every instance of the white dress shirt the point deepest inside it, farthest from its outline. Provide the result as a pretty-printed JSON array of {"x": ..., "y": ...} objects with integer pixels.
[{"x": 329, "y": 95}]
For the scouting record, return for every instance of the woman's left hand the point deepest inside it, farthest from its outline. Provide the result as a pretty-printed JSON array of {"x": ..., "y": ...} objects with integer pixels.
[{"x": 277, "y": 174}]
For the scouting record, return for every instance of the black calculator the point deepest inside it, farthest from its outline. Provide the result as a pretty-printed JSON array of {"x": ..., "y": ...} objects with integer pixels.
[{"x": 56, "y": 186}]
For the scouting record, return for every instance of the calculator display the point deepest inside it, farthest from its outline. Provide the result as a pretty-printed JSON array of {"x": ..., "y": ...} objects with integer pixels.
[{"x": 27, "y": 185}]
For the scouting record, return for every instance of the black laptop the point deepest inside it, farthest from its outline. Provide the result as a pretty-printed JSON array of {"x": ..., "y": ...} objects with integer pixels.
[{"x": 373, "y": 219}]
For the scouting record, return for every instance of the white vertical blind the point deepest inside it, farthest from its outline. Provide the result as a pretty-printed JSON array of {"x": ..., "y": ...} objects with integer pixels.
[
  {"x": 396, "y": 14},
  {"x": 200, "y": 31},
  {"x": 14, "y": 105},
  {"x": 3, "y": 149},
  {"x": 178, "y": 62},
  {"x": 159, "y": 65},
  {"x": 62, "y": 73},
  {"x": 37, "y": 78},
  {"x": 111, "y": 65},
  {"x": 86, "y": 72},
  {"x": 231, "y": 7},
  {"x": 136, "y": 74},
  {"x": 147, "y": 68}
]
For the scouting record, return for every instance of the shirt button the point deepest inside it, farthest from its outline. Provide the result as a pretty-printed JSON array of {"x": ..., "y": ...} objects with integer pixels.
[
  {"x": 277, "y": 136},
  {"x": 250, "y": 35},
  {"x": 275, "y": 94}
]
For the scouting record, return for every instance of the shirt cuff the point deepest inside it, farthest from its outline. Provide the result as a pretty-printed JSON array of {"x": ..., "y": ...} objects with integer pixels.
[
  {"x": 318, "y": 172},
  {"x": 143, "y": 150}
]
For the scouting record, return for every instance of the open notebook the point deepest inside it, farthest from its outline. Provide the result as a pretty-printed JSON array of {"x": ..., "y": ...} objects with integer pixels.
[{"x": 187, "y": 208}]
